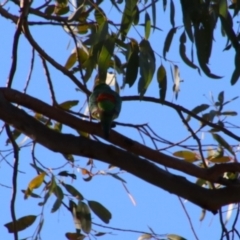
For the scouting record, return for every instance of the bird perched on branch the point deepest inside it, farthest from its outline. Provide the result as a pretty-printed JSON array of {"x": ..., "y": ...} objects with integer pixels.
[{"x": 104, "y": 105}]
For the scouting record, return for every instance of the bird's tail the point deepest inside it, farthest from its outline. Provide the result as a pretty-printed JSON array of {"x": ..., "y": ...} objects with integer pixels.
[{"x": 106, "y": 122}]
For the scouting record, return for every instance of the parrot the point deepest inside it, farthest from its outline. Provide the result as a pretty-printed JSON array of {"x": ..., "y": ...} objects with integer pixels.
[{"x": 104, "y": 105}]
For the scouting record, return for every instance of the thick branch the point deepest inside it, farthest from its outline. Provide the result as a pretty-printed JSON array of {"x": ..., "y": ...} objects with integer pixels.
[
  {"x": 212, "y": 174},
  {"x": 208, "y": 199}
]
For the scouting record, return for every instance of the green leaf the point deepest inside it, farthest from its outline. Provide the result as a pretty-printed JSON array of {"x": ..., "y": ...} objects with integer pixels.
[
  {"x": 73, "y": 191},
  {"x": 136, "y": 14},
  {"x": 100, "y": 211},
  {"x": 61, "y": 9},
  {"x": 227, "y": 25},
  {"x": 100, "y": 16},
  {"x": 223, "y": 159},
  {"x": 30, "y": 194},
  {"x": 52, "y": 185},
  {"x": 68, "y": 157},
  {"x": 38, "y": 168},
  {"x": 49, "y": 9},
  {"x": 198, "y": 109},
  {"x": 182, "y": 51},
  {"x": 117, "y": 177},
  {"x": 236, "y": 73},
  {"x": 172, "y": 13},
  {"x": 75, "y": 236},
  {"x": 66, "y": 174},
  {"x": 147, "y": 25},
  {"x": 21, "y": 224},
  {"x": 34, "y": 183},
  {"x": 186, "y": 19},
  {"x": 221, "y": 97},
  {"x": 59, "y": 194},
  {"x": 132, "y": 64},
  {"x": 223, "y": 143},
  {"x": 229, "y": 113},
  {"x": 223, "y": 8},
  {"x": 76, "y": 15},
  {"x": 72, "y": 59},
  {"x": 105, "y": 57},
  {"x": 203, "y": 42},
  {"x": 175, "y": 237},
  {"x": 168, "y": 41},
  {"x": 162, "y": 82},
  {"x": 84, "y": 215},
  {"x": 147, "y": 66},
  {"x": 187, "y": 155},
  {"x": 154, "y": 13},
  {"x": 99, "y": 36},
  {"x": 68, "y": 104},
  {"x": 127, "y": 17}
]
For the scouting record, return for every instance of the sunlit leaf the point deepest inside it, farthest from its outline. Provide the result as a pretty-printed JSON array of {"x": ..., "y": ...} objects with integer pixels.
[
  {"x": 21, "y": 223},
  {"x": 35, "y": 183},
  {"x": 223, "y": 159},
  {"x": 187, "y": 155},
  {"x": 69, "y": 104},
  {"x": 223, "y": 8},
  {"x": 145, "y": 236},
  {"x": 175, "y": 237},
  {"x": 100, "y": 211}
]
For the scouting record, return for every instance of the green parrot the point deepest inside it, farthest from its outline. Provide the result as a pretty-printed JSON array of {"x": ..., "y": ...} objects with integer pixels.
[{"x": 105, "y": 105}]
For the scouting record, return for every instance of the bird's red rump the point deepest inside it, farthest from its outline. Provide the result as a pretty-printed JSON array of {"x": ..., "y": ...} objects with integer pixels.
[{"x": 106, "y": 96}]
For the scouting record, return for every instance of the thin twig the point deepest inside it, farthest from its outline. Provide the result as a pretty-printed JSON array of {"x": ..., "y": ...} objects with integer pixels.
[
  {"x": 14, "y": 180},
  {"x": 49, "y": 81},
  {"x": 30, "y": 71}
]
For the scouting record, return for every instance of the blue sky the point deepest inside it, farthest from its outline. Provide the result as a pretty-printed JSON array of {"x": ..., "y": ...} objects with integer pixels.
[{"x": 154, "y": 207}]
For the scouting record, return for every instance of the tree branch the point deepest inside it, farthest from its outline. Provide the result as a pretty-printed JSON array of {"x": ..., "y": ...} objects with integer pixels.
[
  {"x": 208, "y": 199},
  {"x": 213, "y": 174}
]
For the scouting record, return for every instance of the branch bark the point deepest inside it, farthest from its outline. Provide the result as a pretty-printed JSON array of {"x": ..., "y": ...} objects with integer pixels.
[
  {"x": 213, "y": 174},
  {"x": 210, "y": 199}
]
